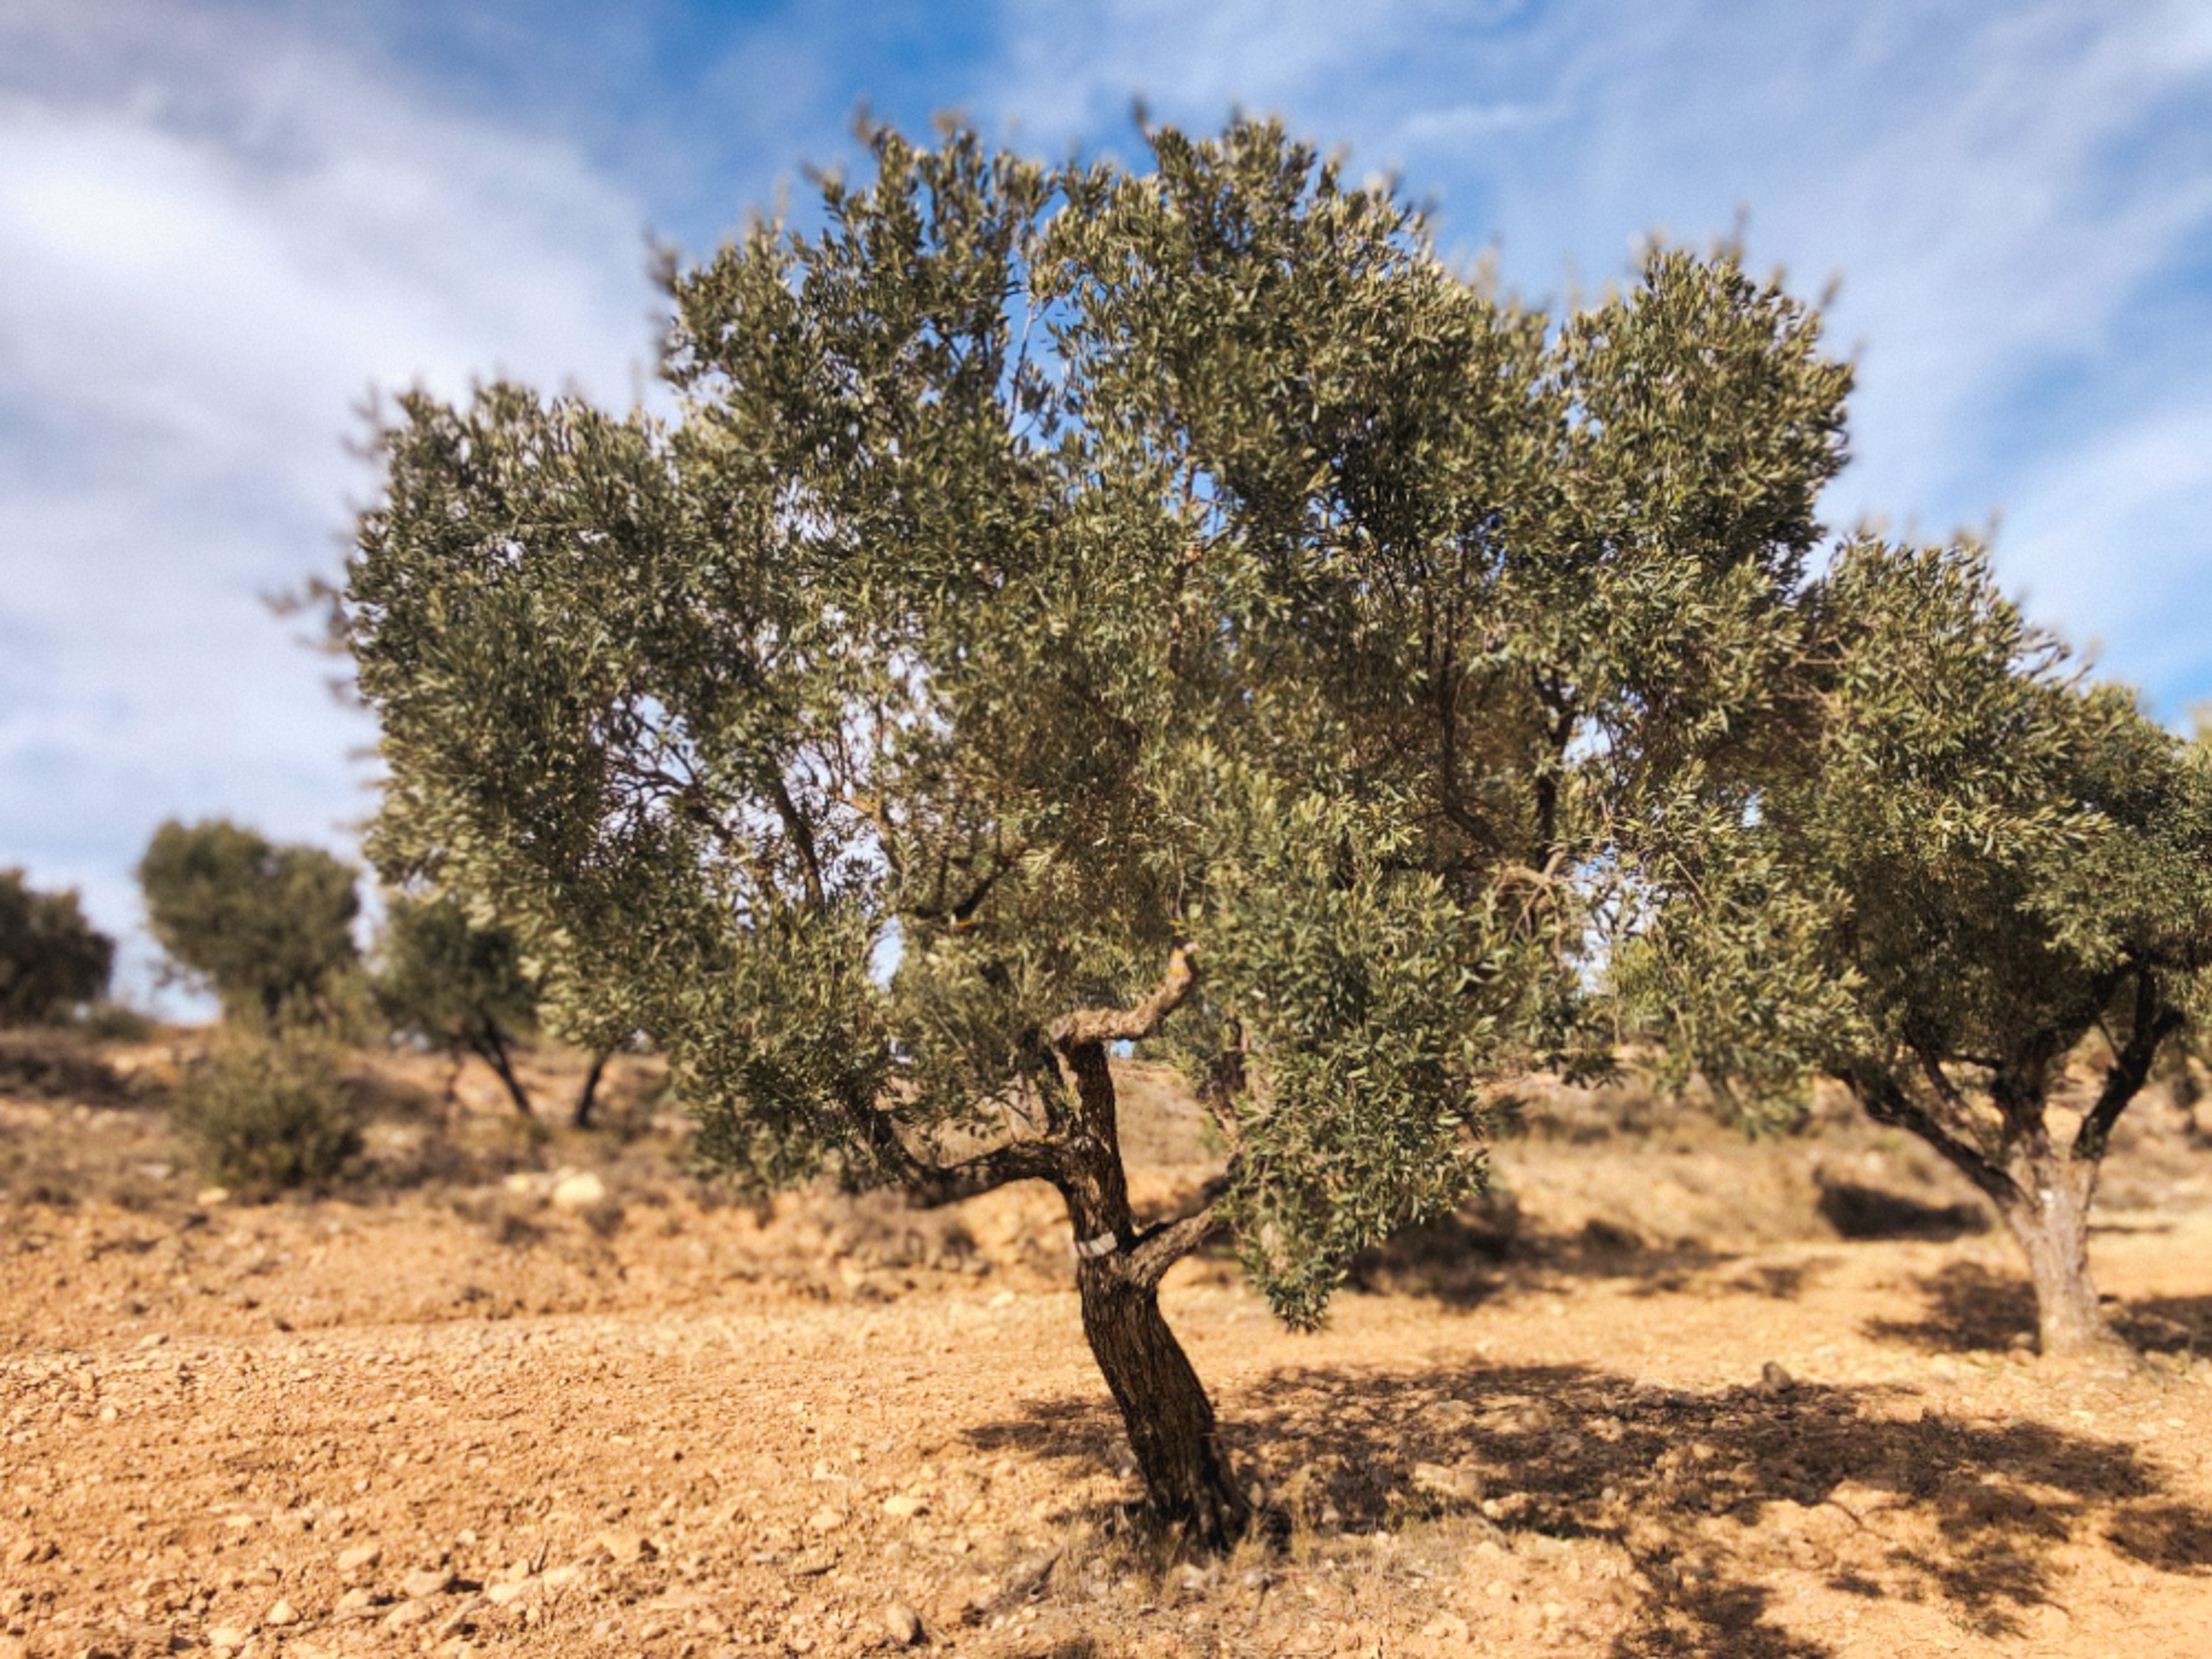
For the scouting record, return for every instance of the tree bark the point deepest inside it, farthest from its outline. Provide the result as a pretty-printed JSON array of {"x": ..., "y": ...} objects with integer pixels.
[
  {"x": 491, "y": 1044},
  {"x": 1188, "y": 1487},
  {"x": 2047, "y": 1212},
  {"x": 589, "y": 1094}
]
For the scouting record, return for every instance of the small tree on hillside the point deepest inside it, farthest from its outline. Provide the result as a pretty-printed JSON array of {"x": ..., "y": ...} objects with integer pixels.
[
  {"x": 1973, "y": 870},
  {"x": 456, "y": 985},
  {"x": 268, "y": 928},
  {"x": 51, "y": 959},
  {"x": 1169, "y": 606}
]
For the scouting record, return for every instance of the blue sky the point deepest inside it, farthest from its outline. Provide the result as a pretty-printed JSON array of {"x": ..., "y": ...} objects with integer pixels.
[{"x": 222, "y": 226}]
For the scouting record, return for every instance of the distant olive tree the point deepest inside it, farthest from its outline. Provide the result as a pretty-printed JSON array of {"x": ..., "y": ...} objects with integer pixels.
[
  {"x": 1169, "y": 606},
  {"x": 1965, "y": 870},
  {"x": 51, "y": 959},
  {"x": 455, "y": 985},
  {"x": 268, "y": 928},
  {"x": 464, "y": 987}
]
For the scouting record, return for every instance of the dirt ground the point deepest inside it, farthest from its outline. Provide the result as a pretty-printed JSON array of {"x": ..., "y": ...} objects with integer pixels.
[{"x": 1676, "y": 1395}]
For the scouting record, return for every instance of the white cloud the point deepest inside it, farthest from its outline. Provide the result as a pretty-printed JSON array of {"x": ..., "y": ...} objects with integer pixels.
[
  {"x": 218, "y": 238},
  {"x": 1997, "y": 187}
]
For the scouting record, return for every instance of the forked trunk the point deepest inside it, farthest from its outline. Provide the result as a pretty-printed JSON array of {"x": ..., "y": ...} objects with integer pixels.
[
  {"x": 490, "y": 1043},
  {"x": 2048, "y": 1215},
  {"x": 1188, "y": 1487}
]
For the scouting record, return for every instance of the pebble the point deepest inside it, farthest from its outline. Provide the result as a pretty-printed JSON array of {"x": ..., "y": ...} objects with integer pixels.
[
  {"x": 429, "y": 1582},
  {"x": 409, "y": 1614},
  {"x": 579, "y": 1191},
  {"x": 901, "y": 1624},
  {"x": 281, "y": 1614},
  {"x": 825, "y": 1519},
  {"x": 361, "y": 1558},
  {"x": 901, "y": 1506},
  {"x": 626, "y": 1546},
  {"x": 1773, "y": 1379},
  {"x": 228, "y": 1638}
]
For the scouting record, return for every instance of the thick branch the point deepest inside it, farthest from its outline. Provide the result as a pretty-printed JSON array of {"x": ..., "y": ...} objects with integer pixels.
[
  {"x": 931, "y": 1185},
  {"x": 1160, "y": 1247},
  {"x": 2130, "y": 1069},
  {"x": 1886, "y": 1101},
  {"x": 1087, "y": 1026}
]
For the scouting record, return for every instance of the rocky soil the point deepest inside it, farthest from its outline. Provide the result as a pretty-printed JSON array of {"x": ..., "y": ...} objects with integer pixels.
[{"x": 534, "y": 1393}]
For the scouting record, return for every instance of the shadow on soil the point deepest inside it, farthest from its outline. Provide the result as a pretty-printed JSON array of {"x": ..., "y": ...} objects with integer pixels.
[
  {"x": 1705, "y": 1493},
  {"x": 1973, "y": 1309}
]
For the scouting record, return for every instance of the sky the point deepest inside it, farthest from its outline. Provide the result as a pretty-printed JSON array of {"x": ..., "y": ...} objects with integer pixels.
[{"x": 225, "y": 229}]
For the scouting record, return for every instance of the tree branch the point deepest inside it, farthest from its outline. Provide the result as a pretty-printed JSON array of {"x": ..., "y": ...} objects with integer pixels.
[
  {"x": 1886, "y": 1101},
  {"x": 931, "y": 1185},
  {"x": 1086, "y": 1026},
  {"x": 2130, "y": 1070}
]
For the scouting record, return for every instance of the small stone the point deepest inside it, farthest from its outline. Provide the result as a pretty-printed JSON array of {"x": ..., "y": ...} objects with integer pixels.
[
  {"x": 409, "y": 1614},
  {"x": 559, "y": 1578},
  {"x": 361, "y": 1558},
  {"x": 356, "y": 1601},
  {"x": 283, "y": 1613},
  {"x": 903, "y": 1506},
  {"x": 579, "y": 1191},
  {"x": 1772, "y": 1379},
  {"x": 1440, "y": 1480},
  {"x": 626, "y": 1546},
  {"x": 108, "y": 1413},
  {"x": 901, "y": 1624},
  {"x": 520, "y": 1181},
  {"x": 512, "y": 1589},
  {"x": 228, "y": 1638},
  {"x": 429, "y": 1582},
  {"x": 208, "y": 1197},
  {"x": 825, "y": 1519}
]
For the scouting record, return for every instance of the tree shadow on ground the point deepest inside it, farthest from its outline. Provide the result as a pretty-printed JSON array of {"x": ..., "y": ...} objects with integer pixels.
[
  {"x": 1464, "y": 1264},
  {"x": 1857, "y": 1212},
  {"x": 1707, "y": 1493},
  {"x": 1973, "y": 1309}
]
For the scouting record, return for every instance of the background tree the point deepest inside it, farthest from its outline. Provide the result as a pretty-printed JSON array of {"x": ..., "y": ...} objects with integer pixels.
[
  {"x": 1167, "y": 607},
  {"x": 1972, "y": 869},
  {"x": 268, "y": 928},
  {"x": 464, "y": 987},
  {"x": 51, "y": 959},
  {"x": 456, "y": 985}
]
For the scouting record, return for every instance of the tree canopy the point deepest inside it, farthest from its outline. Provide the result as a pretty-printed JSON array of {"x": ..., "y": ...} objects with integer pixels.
[
  {"x": 1169, "y": 605},
  {"x": 51, "y": 957},
  {"x": 1970, "y": 861},
  {"x": 267, "y": 927}
]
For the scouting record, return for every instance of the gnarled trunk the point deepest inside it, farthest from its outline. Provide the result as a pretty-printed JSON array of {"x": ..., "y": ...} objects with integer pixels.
[
  {"x": 2047, "y": 1212},
  {"x": 1188, "y": 1486}
]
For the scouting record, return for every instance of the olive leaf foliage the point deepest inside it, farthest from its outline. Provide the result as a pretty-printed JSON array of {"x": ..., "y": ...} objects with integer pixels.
[
  {"x": 1047, "y": 568},
  {"x": 1966, "y": 866}
]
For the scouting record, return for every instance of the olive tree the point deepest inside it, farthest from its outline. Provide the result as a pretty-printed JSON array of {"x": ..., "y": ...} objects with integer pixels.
[
  {"x": 1167, "y": 606},
  {"x": 51, "y": 959},
  {"x": 269, "y": 928},
  {"x": 1969, "y": 874},
  {"x": 461, "y": 985},
  {"x": 455, "y": 985}
]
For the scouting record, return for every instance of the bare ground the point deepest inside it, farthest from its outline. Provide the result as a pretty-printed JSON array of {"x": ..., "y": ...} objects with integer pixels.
[{"x": 1695, "y": 1398}]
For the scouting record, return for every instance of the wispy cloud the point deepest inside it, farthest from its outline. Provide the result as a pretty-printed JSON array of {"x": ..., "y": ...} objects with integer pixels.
[
  {"x": 2000, "y": 189},
  {"x": 219, "y": 237}
]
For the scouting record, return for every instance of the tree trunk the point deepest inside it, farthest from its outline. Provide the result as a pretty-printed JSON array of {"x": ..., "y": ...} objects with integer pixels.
[
  {"x": 588, "y": 1095},
  {"x": 1188, "y": 1487},
  {"x": 2047, "y": 1212},
  {"x": 491, "y": 1043}
]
